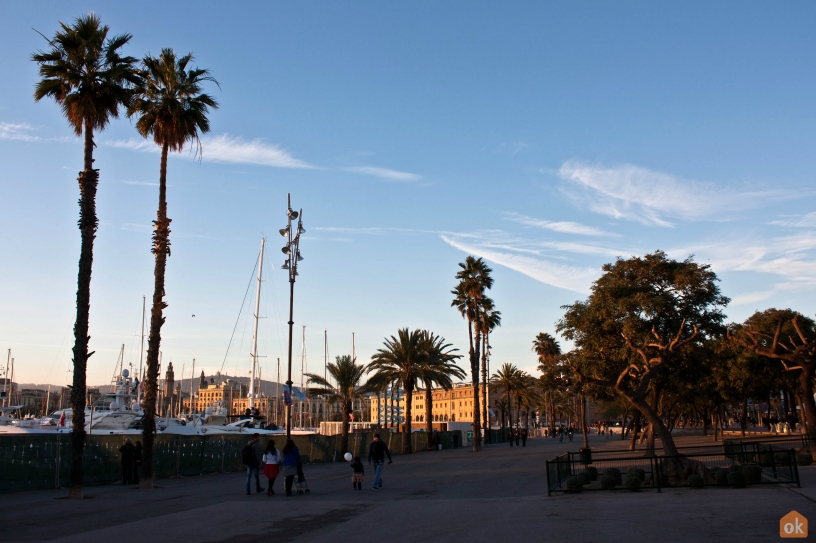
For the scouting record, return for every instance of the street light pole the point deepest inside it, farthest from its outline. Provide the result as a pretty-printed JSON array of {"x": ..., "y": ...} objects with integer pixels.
[{"x": 292, "y": 250}]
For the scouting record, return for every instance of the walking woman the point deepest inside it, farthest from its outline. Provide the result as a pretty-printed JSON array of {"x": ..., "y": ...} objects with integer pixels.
[
  {"x": 272, "y": 459},
  {"x": 291, "y": 457}
]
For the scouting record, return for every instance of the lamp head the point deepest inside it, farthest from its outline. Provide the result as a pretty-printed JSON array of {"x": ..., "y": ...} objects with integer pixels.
[{"x": 284, "y": 231}]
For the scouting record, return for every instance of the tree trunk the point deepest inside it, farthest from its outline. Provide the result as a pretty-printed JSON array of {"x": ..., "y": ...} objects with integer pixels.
[
  {"x": 345, "y": 431},
  {"x": 161, "y": 248},
  {"x": 635, "y": 431},
  {"x": 407, "y": 448},
  {"x": 428, "y": 414},
  {"x": 485, "y": 415},
  {"x": 88, "y": 224},
  {"x": 744, "y": 423},
  {"x": 583, "y": 420},
  {"x": 474, "y": 370},
  {"x": 809, "y": 404}
]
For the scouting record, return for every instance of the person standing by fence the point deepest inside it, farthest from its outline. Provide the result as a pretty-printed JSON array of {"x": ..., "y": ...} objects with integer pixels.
[
  {"x": 128, "y": 454},
  {"x": 272, "y": 459},
  {"x": 252, "y": 459},
  {"x": 377, "y": 452},
  {"x": 137, "y": 461},
  {"x": 291, "y": 457}
]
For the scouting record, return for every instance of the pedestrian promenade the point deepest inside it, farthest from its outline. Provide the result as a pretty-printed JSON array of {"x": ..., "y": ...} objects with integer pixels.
[{"x": 498, "y": 494}]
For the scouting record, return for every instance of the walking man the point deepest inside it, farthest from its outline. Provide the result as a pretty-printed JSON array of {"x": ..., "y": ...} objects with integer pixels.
[
  {"x": 128, "y": 453},
  {"x": 252, "y": 459},
  {"x": 377, "y": 452},
  {"x": 524, "y": 437}
]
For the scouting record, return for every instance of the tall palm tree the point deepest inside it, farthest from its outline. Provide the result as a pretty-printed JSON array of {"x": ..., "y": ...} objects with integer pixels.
[
  {"x": 348, "y": 376},
  {"x": 547, "y": 349},
  {"x": 507, "y": 378},
  {"x": 172, "y": 109},
  {"x": 490, "y": 319},
  {"x": 503, "y": 405},
  {"x": 438, "y": 367},
  {"x": 474, "y": 278},
  {"x": 400, "y": 361},
  {"x": 86, "y": 74}
]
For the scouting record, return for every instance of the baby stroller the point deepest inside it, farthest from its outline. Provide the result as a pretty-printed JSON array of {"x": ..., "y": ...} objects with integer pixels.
[{"x": 300, "y": 483}]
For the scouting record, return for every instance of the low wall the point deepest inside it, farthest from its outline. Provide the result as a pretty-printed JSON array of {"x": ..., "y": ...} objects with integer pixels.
[{"x": 37, "y": 462}]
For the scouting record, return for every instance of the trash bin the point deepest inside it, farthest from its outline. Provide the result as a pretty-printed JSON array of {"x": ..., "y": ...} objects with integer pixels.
[{"x": 585, "y": 455}]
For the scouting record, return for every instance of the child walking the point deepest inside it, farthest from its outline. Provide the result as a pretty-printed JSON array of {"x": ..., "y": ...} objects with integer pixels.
[
  {"x": 272, "y": 459},
  {"x": 357, "y": 478}
]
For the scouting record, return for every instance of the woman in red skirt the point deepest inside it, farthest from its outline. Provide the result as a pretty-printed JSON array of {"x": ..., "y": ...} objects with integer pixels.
[{"x": 272, "y": 459}]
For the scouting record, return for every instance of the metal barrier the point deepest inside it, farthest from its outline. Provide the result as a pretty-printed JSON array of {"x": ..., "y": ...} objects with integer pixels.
[
  {"x": 778, "y": 466},
  {"x": 39, "y": 462}
]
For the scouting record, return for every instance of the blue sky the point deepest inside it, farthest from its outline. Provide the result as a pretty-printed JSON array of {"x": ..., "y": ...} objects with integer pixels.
[{"x": 547, "y": 138}]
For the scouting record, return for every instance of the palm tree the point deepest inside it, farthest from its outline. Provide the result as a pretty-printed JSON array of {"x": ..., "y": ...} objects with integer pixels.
[
  {"x": 474, "y": 278},
  {"x": 507, "y": 379},
  {"x": 172, "y": 109},
  {"x": 400, "y": 361},
  {"x": 437, "y": 367},
  {"x": 490, "y": 319},
  {"x": 347, "y": 376},
  {"x": 547, "y": 349},
  {"x": 503, "y": 405},
  {"x": 85, "y": 73}
]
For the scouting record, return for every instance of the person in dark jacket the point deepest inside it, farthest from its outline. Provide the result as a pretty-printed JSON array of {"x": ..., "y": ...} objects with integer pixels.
[
  {"x": 377, "y": 452},
  {"x": 137, "y": 461},
  {"x": 524, "y": 437},
  {"x": 291, "y": 458},
  {"x": 128, "y": 453},
  {"x": 518, "y": 437},
  {"x": 357, "y": 478},
  {"x": 252, "y": 459},
  {"x": 510, "y": 436}
]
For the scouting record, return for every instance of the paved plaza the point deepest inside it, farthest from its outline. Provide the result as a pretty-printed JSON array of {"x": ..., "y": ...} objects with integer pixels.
[{"x": 497, "y": 495}]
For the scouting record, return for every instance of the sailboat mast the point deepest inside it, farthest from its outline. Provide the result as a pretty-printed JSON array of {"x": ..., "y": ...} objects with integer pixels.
[
  {"x": 192, "y": 379},
  {"x": 141, "y": 355},
  {"x": 255, "y": 330}
]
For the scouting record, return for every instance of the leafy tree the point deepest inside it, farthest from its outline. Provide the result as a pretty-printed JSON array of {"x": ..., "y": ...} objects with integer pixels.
[
  {"x": 438, "y": 367},
  {"x": 86, "y": 74},
  {"x": 474, "y": 278},
  {"x": 172, "y": 109},
  {"x": 789, "y": 337},
  {"x": 550, "y": 365},
  {"x": 400, "y": 361},
  {"x": 641, "y": 313},
  {"x": 348, "y": 378}
]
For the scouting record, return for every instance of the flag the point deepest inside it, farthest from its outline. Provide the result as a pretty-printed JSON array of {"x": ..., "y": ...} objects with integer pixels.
[
  {"x": 287, "y": 397},
  {"x": 62, "y": 419},
  {"x": 299, "y": 395}
]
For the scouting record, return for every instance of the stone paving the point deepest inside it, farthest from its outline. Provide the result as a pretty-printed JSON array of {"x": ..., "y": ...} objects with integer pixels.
[{"x": 497, "y": 494}]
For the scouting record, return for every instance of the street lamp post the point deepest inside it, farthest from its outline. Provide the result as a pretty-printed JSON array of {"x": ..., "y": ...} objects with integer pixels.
[{"x": 292, "y": 252}]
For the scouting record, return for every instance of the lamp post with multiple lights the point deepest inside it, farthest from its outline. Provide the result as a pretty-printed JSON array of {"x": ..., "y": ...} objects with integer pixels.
[{"x": 292, "y": 252}]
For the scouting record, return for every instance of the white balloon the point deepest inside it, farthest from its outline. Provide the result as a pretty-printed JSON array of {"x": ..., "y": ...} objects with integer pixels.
[{"x": 348, "y": 457}]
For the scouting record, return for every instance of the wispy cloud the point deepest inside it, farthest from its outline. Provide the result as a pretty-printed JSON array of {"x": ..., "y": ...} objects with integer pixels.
[
  {"x": 564, "y": 227},
  {"x": 654, "y": 198},
  {"x": 17, "y": 131},
  {"x": 229, "y": 149},
  {"x": 573, "y": 278},
  {"x": 140, "y": 183},
  {"x": 798, "y": 221},
  {"x": 384, "y": 173}
]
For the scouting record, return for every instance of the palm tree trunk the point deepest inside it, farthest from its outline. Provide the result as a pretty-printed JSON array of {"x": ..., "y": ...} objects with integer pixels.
[
  {"x": 474, "y": 373},
  {"x": 428, "y": 414},
  {"x": 509, "y": 408},
  {"x": 345, "y": 432},
  {"x": 485, "y": 417},
  {"x": 161, "y": 248},
  {"x": 406, "y": 440},
  {"x": 88, "y": 224}
]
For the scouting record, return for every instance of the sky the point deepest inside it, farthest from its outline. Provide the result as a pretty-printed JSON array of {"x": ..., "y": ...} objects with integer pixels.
[{"x": 547, "y": 138}]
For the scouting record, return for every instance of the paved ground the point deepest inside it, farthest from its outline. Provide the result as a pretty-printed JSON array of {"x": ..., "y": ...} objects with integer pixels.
[{"x": 496, "y": 495}]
